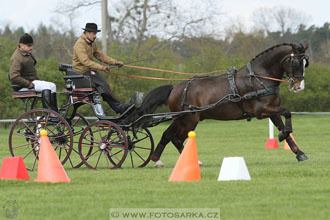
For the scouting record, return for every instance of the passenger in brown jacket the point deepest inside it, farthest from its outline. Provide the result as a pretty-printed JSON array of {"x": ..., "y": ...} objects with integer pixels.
[
  {"x": 84, "y": 51},
  {"x": 24, "y": 74}
]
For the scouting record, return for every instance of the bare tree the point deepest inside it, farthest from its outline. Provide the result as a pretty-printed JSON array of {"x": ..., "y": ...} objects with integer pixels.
[
  {"x": 140, "y": 19},
  {"x": 280, "y": 19}
]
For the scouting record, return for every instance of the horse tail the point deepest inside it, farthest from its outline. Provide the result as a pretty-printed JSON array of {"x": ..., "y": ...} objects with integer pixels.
[{"x": 154, "y": 99}]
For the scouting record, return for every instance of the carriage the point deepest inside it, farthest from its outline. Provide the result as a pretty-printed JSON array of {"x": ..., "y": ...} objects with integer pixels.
[
  {"x": 103, "y": 144},
  {"x": 252, "y": 91}
]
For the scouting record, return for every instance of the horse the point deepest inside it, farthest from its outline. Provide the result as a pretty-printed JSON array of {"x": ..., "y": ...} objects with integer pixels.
[{"x": 251, "y": 91}]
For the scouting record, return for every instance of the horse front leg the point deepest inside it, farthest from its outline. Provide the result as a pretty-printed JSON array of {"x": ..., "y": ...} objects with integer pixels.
[{"x": 277, "y": 120}]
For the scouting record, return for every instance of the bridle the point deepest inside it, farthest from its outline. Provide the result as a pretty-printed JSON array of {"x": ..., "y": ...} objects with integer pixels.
[{"x": 294, "y": 61}]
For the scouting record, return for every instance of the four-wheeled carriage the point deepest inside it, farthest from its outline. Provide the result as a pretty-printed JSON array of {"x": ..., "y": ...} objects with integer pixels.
[{"x": 103, "y": 144}]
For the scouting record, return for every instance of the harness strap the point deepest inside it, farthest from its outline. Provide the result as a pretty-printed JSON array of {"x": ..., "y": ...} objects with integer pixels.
[
  {"x": 235, "y": 97},
  {"x": 231, "y": 78},
  {"x": 185, "y": 91},
  {"x": 261, "y": 93},
  {"x": 252, "y": 74}
]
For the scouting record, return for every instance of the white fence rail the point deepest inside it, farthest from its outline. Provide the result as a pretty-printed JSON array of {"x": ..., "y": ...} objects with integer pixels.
[{"x": 94, "y": 118}]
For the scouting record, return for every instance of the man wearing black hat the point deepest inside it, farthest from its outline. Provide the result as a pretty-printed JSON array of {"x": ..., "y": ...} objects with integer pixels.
[
  {"x": 84, "y": 51},
  {"x": 24, "y": 73}
]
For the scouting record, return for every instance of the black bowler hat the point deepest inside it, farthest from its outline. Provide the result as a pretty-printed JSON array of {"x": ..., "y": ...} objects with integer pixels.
[
  {"x": 26, "y": 39},
  {"x": 91, "y": 27}
]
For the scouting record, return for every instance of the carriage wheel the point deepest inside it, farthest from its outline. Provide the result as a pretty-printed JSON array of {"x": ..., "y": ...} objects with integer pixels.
[
  {"x": 78, "y": 125},
  {"x": 108, "y": 143},
  {"x": 140, "y": 147},
  {"x": 24, "y": 137}
]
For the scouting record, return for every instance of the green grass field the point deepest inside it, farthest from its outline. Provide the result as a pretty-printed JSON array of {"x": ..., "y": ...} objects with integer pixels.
[{"x": 281, "y": 188}]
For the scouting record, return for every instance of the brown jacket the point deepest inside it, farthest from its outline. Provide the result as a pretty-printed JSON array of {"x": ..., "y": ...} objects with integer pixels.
[
  {"x": 22, "y": 70},
  {"x": 83, "y": 53}
]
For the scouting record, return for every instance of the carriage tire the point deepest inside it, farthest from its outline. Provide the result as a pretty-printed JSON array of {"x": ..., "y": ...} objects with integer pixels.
[
  {"x": 108, "y": 145},
  {"x": 24, "y": 136},
  {"x": 140, "y": 147}
]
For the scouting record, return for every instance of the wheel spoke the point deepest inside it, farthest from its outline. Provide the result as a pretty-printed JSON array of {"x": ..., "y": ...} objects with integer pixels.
[
  {"x": 89, "y": 145},
  {"x": 113, "y": 155},
  {"x": 144, "y": 148},
  {"x": 130, "y": 154},
  {"x": 98, "y": 159},
  {"x": 139, "y": 156},
  {"x": 27, "y": 154},
  {"x": 92, "y": 154},
  {"x": 96, "y": 141},
  {"x": 140, "y": 139},
  {"x": 28, "y": 127},
  {"x": 23, "y": 145},
  {"x": 107, "y": 159}
]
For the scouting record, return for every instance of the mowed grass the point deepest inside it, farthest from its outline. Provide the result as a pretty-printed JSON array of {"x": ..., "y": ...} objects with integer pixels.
[{"x": 281, "y": 188}]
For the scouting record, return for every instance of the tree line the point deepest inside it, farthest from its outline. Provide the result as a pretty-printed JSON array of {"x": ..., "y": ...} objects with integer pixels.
[{"x": 193, "y": 54}]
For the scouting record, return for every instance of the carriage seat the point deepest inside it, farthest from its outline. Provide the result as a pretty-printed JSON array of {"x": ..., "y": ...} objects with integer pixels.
[
  {"x": 75, "y": 80},
  {"x": 26, "y": 93},
  {"x": 78, "y": 85}
]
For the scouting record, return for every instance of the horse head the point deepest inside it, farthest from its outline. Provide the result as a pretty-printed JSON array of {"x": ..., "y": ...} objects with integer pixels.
[{"x": 294, "y": 65}]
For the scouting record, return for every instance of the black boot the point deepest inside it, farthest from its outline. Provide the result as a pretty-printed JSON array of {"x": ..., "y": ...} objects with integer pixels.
[
  {"x": 47, "y": 100},
  {"x": 53, "y": 102},
  {"x": 115, "y": 104},
  {"x": 125, "y": 107}
]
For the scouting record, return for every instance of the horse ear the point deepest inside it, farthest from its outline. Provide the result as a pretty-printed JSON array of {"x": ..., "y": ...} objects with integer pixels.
[
  {"x": 295, "y": 48},
  {"x": 299, "y": 48},
  {"x": 306, "y": 46}
]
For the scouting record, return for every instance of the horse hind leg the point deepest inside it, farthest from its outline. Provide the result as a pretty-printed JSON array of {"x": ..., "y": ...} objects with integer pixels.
[
  {"x": 188, "y": 123},
  {"x": 285, "y": 135},
  {"x": 166, "y": 138}
]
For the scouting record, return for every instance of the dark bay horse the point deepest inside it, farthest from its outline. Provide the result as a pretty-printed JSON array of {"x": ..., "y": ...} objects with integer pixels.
[{"x": 252, "y": 91}]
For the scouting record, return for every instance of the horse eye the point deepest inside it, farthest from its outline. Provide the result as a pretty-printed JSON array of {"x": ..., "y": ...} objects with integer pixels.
[{"x": 295, "y": 64}]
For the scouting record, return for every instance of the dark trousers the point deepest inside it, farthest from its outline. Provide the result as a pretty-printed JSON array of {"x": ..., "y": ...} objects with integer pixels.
[{"x": 103, "y": 88}]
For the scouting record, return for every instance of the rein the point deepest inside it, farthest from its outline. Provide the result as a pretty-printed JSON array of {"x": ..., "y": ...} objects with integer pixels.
[
  {"x": 170, "y": 71},
  {"x": 142, "y": 77},
  {"x": 271, "y": 78}
]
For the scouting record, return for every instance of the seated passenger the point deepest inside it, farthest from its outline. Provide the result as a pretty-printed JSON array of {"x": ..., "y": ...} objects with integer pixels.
[
  {"x": 24, "y": 73},
  {"x": 83, "y": 52}
]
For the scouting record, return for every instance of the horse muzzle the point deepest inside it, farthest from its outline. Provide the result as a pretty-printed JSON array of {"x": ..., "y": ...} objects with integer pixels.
[{"x": 296, "y": 85}]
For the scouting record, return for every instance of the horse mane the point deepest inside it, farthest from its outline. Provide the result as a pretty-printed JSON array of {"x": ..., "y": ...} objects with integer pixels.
[{"x": 299, "y": 47}]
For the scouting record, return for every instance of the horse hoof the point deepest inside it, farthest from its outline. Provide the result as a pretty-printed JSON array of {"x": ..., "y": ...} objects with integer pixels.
[
  {"x": 301, "y": 157},
  {"x": 200, "y": 163},
  {"x": 159, "y": 164}
]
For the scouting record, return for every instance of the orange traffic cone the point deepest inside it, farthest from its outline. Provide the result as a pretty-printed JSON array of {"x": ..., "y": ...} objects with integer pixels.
[
  {"x": 50, "y": 168},
  {"x": 271, "y": 143},
  {"x": 187, "y": 167},
  {"x": 13, "y": 168},
  {"x": 286, "y": 145}
]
